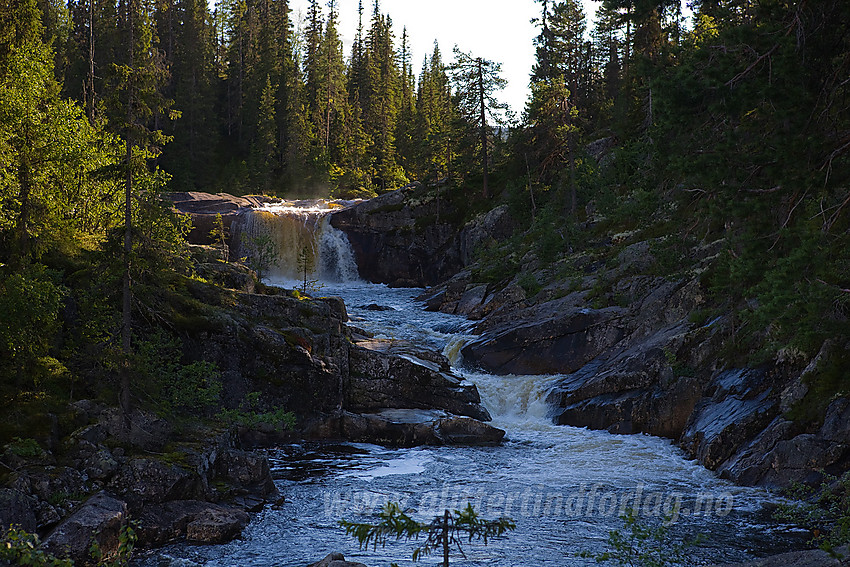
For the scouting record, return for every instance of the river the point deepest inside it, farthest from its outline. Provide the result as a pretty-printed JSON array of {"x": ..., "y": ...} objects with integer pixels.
[{"x": 565, "y": 487}]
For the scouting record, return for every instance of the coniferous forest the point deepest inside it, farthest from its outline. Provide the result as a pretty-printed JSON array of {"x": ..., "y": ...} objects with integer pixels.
[{"x": 731, "y": 128}]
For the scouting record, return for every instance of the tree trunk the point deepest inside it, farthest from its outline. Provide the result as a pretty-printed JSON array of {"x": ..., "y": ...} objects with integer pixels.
[
  {"x": 483, "y": 119},
  {"x": 572, "y": 139},
  {"x": 126, "y": 319},
  {"x": 90, "y": 94},
  {"x": 446, "y": 539},
  {"x": 530, "y": 189},
  {"x": 25, "y": 180}
]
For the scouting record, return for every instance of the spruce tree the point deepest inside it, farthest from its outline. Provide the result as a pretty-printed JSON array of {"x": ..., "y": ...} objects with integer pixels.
[{"x": 191, "y": 83}]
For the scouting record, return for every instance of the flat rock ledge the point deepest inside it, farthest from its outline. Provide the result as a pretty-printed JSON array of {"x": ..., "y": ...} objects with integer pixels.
[{"x": 404, "y": 428}]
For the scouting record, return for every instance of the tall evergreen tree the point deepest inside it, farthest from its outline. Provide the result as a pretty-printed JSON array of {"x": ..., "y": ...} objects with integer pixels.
[
  {"x": 141, "y": 76},
  {"x": 434, "y": 118},
  {"x": 380, "y": 101},
  {"x": 476, "y": 81},
  {"x": 192, "y": 79},
  {"x": 333, "y": 97},
  {"x": 404, "y": 134},
  {"x": 558, "y": 87},
  {"x": 313, "y": 59},
  {"x": 48, "y": 149}
]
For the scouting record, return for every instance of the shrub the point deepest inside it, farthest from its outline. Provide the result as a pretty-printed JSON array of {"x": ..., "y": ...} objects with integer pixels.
[{"x": 441, "y": 533}]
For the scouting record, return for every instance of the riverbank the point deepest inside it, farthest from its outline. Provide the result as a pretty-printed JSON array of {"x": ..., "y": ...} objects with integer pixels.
[{"x": 268, "y": 366}]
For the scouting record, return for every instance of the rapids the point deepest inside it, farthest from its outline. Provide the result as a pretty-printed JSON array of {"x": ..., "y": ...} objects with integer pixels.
[{"x": 565, "y": 488}]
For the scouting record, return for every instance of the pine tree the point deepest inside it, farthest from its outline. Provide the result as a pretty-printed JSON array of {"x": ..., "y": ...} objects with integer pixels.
[
  {"x": 141, "y": 75},
  {"x": 357, "y": 62},
  {"x": 558, "y": 88},
  {"x": 332, "y": 95},
  {"x": 313, "y": 60},
  {"x": 609, "y": 49},
  {"x": 265, "y": 148},
  {"x": 476, "y": 81}
]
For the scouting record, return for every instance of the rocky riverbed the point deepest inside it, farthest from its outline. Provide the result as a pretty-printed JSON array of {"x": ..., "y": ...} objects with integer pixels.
[
  {"x": 200, "y": 481},
  {"x": 636, "y": 351},
  {"x": 643, "y": 357}
]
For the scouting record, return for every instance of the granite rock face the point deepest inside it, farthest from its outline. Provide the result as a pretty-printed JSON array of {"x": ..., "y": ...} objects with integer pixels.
[
  {"x": 637, "y": 356},
  {"x": 99, "y": 520},
  {"x": 406, "y": 238}
]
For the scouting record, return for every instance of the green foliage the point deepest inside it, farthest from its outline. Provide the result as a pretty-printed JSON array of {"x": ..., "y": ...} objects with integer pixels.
[
  {"x": 824, "y": 510},
  {"x": 827, "y": 383},
  {"x": 60, "y": 498},
  {"x": 306, "y": 266},
  {"x": 22, "y": 548},
  {"x": 121, "y": 558},
  {"x": 529, "y": 284},
  {"x": 250, "y": 414},
  {"x": 679, "y": 369},
  {"x": 642, "y": 544},
  {"x": 493, "y": 268},
  {"x": 52, "y": 160},
  {"x": 175, "y": 388},
  {"x": 27, "y": 448},
  {"x": 29, "y": 308},
  {"x": 219, "y": 235},
  {"x": 262, "y": 252},
  {"x": 159, "y": 234},
  {"x": 441, "y": 534}
]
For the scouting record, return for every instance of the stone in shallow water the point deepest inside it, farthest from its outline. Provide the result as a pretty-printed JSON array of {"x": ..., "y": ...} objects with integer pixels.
[
  {"x": 216, "y": 525},
  {"x": 335, "y": 560},
  {"x": 812, "y": 558}
]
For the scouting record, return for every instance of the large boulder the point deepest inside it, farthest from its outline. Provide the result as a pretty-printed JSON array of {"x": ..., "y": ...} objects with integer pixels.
[
  {"x": 294, "y": 352},
  {"x": 335, "y": 560},
  {"x": 484, "y": 231},
  {"x": 216, "y": 525},
  {"x": 99, "y": 520},
  {"x": 780, "y": 455},
  {"x": 146, "y": 431},
  {"x": 143, "y": 481},
  {"x": 17, "y": 509},
  {"x": 411, "y": 237},
  {"x": 811, "y": 558},
  {"x": 198, "y": 522},
  {"x": 741, "y": 406},
  {"x": 465, "y": 431},
  {"x": 379, "y": 380},
  {"x": 247, "y": 470},
  {"x": 562, "y": 342},
  {"x": 399, "y": 240}
]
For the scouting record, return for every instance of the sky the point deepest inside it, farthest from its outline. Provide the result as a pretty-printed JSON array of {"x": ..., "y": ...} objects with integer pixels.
[{"x": 499, "y": 30}]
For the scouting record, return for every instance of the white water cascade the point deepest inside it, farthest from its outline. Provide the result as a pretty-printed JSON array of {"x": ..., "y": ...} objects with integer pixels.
[
  {"x": 564, "y": 487},
  {"x": 292, "y": 233}
]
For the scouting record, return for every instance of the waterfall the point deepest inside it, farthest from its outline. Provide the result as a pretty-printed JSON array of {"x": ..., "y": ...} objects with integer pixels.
[
  {"x": 515, "y": 402},
  {"x": 281, "y": 238}
]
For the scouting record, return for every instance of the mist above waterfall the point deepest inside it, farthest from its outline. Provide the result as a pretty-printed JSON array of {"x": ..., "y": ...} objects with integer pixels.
[{"x": 296, "y": 236}]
